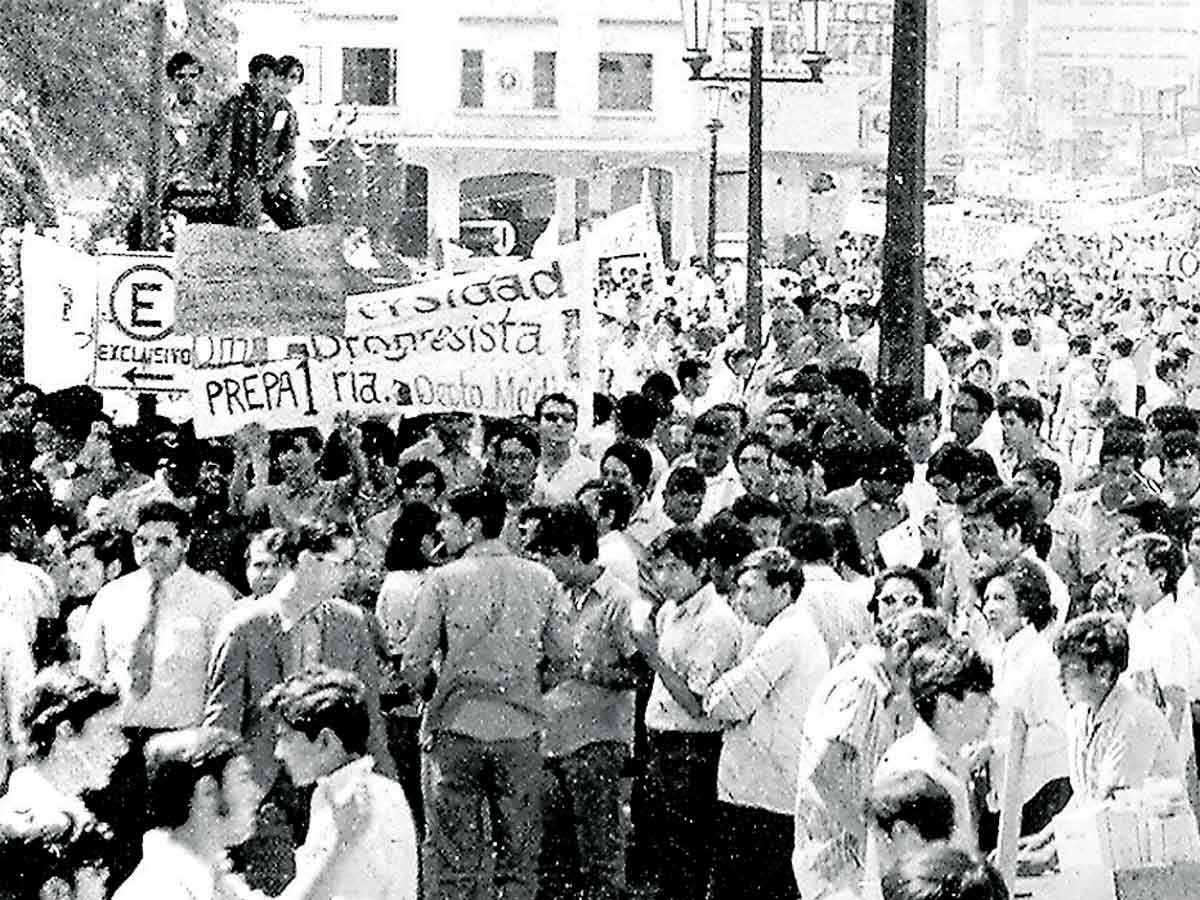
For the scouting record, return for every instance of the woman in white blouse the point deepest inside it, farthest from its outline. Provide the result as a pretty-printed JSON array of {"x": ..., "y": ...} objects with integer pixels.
[{"x": 1018, "y": 610}]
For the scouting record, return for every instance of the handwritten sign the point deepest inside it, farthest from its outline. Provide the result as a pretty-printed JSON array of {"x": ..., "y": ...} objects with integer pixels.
[
  {"x": 233, "y": 281},
  {"x": 59, "y": 286}
]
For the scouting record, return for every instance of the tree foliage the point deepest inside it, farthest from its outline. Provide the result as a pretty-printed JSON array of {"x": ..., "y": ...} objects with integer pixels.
[{"x": 84, "y": 67}]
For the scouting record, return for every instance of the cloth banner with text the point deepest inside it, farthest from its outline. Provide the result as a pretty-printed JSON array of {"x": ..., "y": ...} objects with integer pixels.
[{"x": 59, "y": 287}]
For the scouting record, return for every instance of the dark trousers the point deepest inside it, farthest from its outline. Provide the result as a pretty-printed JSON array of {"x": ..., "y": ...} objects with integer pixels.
[
  {"x": 753, "y": 855},
  {"x": 250, "y": 199},
  {"x": 681, "y": 802},
  {"x": 583, "y": 841},
  {"x": 403, "y": 742},
  {"x": 1036, "y": 814},
  {"x": 482, "y": 802},
  {"x": 267, "y": 860}
]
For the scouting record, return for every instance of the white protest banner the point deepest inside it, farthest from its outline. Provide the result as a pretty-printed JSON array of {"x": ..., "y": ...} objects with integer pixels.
[
  {"x": 960, "y": 237},
  {"x": 279, "y": 394},
  {"x": 626, "y": 233},
  {"x": 59, "y": 287}
]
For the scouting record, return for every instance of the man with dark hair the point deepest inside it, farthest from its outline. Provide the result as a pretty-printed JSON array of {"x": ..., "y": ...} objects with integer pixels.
[
  {"x": 94, "y": 558},
  {"x": 515, "y": 451},
  {"x": 906, "y": 813},
  {"x": 610, "y": 502},
  {"x": 562, "y": 469},
  {"x": 588, "y": 682},
  {"x": 188, "y": 187},
  {"x": 1021, "y": 418},
  {"x": 837, "y": 607},
  {"x": 245, "y": 136},
  {"x": 1180, "y": 457},
  {"x": 762, "y": 703},
  {"x": 752, "y": 459},
  {"x": 324, "y": 733},
  {"x": 219, "y": 536},
  {"x": 485, "y": 612},
  {"x": 694, "y": 378},
  {"x": 764, "y": 518},
  {"x": 873, "y": 504},
  {"x": 950, "y": 685},
  {"x": 711, "y": 446}
]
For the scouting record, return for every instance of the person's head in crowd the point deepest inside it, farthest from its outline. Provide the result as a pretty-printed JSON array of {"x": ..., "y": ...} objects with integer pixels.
[
  {"x": 290, "y": 72},
  {"x": 262, "y": 74},
  {"x": 323, "y": 722},
  {"x": 630, "y": 462},
  {"x": 711, "y": 444},
  {"x": 94, "y": 558},
  {"x": 609, "y": 501},
  {"x": 1148, "y": 568},
  {"x": 1122, "y": 347},
  {"x": 768, "y": 582},
  {"x": 556, "y": 415},
  {"x": 515, "y": 453},
  {"x": 420, "y": 481},
  {"x": 323, "y": 551},
  {"x": 270, "y": 555},
  {"x": 1170, "y": 369},
  {"x": 1080, "y": 345},
  {"x": 739, "y": 360},
  {"x": 981, "y": 372},
  {"x": 781, "y": 423},
  {"x": 918, "y": 423},
  {"x": 214, "y": 468},
  {"x": 452, "y": 430},
  {"x": 1043, "y": 479},
  {"x": 161, "y": 540},
  {"x": 378, "y": 444},
  {"x": 752, "y": 459},
  {"x": 678, "y": 562},
  {"x": 824, "y": 319},
  {"x": 727, "y": 541},
  {"x": 294, "y": 453},
  {"x": 852, "y": 384},
  {"x": 178, "y": 461},
  {"x": 635, "y": 417},
  {"x": 72, "y": 726},
  {"x": 414, "y": 543},
  {"x": 1021, "y": 419},
  {"x": 787, "y": 325},
  {"x": 683, "y": 495},
  {"x": 694, "y": 377},
  {"x": 885, "y": 472},
  {"x": 957, "y": 355},
  {"x": 763, "y": 516},
  {"x": 811, "y": 543},
  {"x": 565, "y": 541},
  {"x": 1122, "y": 452},
  {"x": 1016, "y": 595},
  {"x": 1180, "y": 457},
  {"x": 947, "y": 470},
  {"x": 184, "y": 71},
  {"x": 907, "y": 812},
  {"x": 999, "y": 526},
  {"x": 528, "y": 519},
  {"x": 851, "y": 561},
  {"x": 943, "y": 872},
  {"x": 1167, "y": 420},
  {"x": 736, "y": 419},
  {"x": 898, "y": 589},
  {"x": 902, "y": 634},
  {"x": 981, "y": 476},
  {"x": 470, "y": 515},
  {"x": 201, "y": 789},
  {"x": 809, "y": 389},
  {"x": 860, "y": 317},
  {"x": 23, "y": 400},
  {"x": 1093, "y": 652},
  {"x": 950, "y": 686}
]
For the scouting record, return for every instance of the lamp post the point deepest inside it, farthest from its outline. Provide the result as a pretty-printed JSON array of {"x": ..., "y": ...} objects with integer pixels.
[
  {"x": 697, "y": 29},
  {"x": 713, "y": 95}
]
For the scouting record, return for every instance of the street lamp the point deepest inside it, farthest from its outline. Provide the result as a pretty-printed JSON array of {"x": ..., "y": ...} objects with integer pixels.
[
  {"x": 698, "y": 31},
  {"x": 713, "y": 95}
]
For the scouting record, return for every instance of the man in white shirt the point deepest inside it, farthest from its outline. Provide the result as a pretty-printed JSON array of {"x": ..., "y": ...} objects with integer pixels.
[
  {"x": 711, "y": 453},
  {"x": 562, "y": 469},
  {"x": 27, "y": 593},
  {"x": 627, "y": 362},
  {"x": 323, "y": 732},
  {"x": 610, "y": 501},
  {"x": 763, "y": 700}
]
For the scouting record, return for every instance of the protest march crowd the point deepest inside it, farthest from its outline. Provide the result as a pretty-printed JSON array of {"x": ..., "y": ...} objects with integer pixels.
[{"x": 747, "y": 633}]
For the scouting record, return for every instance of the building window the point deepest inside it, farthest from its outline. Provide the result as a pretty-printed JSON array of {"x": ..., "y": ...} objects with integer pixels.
[
  {"x": 314, "y": 74},
  {"x": 369, "y": 76},
  {"x": 544, "y": 80},
  {"x": 626, "y": 80},
  {"x": 470, "y": 94}
]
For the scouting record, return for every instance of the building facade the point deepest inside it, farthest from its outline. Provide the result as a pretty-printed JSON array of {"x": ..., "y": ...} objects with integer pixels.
[{"x": 530, "y": 111}]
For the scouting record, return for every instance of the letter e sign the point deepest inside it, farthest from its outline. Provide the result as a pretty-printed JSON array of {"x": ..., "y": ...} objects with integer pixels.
[{"x": 143, "y": 302}]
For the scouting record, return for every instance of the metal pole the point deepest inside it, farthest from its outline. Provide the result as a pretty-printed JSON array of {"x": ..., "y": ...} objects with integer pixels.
[
  {"x": 152, "y": 200},
  {"x": 902, "y": 301},
  {"x": 754, "y": 236},
  {"x": 713, "y": 129}
]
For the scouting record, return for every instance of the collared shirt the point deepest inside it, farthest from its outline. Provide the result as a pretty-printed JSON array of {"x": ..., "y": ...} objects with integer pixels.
[
  {"x": 27, "y": 594},
  {"x": 837, "y": 608},
  {"x": 1027, "y": 685},
  {"x": 1161, "y": 641},
  {"x": 567, "y": 479},
  {"x": 921, "y": 750},
  {"x": 168, "y": 871},
  {"x": 619, "y": 555},
  {"x": 490, "y": 609},
  {"x": 699, "y": 639},
  {"x": 590, "y": 685},
  {"x": 381, "y": 862},
  {"x": 190, "y": 609},
  {"x": 720, "y": 490},
  {"x": 648, "y": 522},
  {"x": 765, "y": 698},
  {"x": 870, "y": 519},
  {"x": 1124, "y": 743},
  {"x": 1090, "y": 533}
]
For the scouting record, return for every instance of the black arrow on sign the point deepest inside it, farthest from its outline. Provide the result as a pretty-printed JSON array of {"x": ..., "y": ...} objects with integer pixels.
[{"x": 133, "y": 376}]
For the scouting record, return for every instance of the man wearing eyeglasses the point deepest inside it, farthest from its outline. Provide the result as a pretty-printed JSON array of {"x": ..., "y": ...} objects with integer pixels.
[{"x": 562, "y": 470}]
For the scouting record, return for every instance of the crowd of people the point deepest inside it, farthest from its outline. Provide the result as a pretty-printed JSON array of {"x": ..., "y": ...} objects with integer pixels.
[{"x": 751, "y": 632}]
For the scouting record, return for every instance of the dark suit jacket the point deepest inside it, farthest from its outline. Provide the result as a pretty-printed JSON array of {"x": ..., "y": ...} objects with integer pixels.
[{"x": 250, "y": 657}]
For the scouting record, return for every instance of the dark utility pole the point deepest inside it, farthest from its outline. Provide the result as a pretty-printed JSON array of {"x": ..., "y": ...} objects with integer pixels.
[
  {"x": 902, "y": 304},
  {"x": 754, "y": 196},
  {"x": 714, "y": 129}
]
